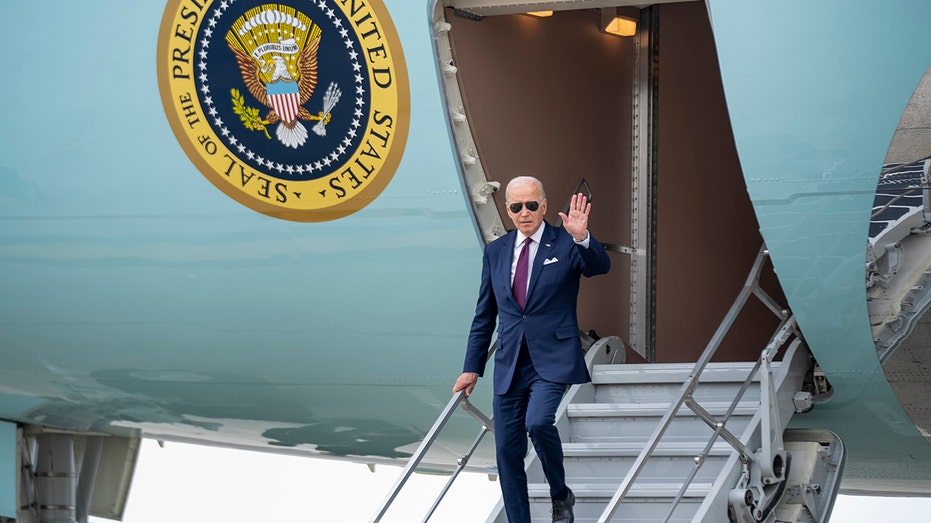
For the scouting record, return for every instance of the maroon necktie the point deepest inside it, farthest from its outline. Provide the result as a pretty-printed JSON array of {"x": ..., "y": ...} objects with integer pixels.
[{"x": 519, "y": 287}]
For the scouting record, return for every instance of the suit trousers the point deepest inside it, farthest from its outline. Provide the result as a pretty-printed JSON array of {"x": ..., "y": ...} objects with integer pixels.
[{"x": 528, "y": 407}]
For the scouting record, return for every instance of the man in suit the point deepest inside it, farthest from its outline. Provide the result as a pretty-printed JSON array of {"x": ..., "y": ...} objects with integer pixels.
[{"x": 530, "y": 284}]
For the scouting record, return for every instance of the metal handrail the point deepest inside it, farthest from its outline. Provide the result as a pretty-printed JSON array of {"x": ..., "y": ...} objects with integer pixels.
[
  {"x": 786, "y": 327},
  {"x": 459, "y": 399}
]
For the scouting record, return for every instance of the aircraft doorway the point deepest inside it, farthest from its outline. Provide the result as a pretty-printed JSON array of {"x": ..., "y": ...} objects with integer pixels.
[{"x": 644, "y": 122}]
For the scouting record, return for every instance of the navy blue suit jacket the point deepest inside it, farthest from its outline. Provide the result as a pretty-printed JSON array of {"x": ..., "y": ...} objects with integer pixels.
[{"x": 548, "y": 320}]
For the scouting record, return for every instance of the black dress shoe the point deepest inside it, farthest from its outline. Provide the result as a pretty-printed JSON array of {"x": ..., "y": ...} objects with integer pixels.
[{"x": 562, "y": 510}]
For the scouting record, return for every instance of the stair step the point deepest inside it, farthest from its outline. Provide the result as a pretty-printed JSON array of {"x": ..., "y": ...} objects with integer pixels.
[
  {"x": 633, "y": 449},
  {"x": 602, "y": 492},
  {"x": 689, "y": 429},
  {"x": 655, "y": 469},
  {"x": 656, "y": 409},
  {"x": 660, "y": 392},
  {"x": 671, "y": 373},
  {"x": 600, "y": 462},
  {"x": 628, "y": 512},
  {"x": 647, "y": 383},
  {"x": 644, "y": 503}
]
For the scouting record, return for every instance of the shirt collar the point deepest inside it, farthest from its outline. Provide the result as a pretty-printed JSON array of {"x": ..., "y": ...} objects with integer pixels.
[{"x": 536, "y": 236}]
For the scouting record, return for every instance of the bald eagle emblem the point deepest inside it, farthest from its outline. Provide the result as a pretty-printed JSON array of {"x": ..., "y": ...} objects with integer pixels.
[{"x": 277, "y": 57}]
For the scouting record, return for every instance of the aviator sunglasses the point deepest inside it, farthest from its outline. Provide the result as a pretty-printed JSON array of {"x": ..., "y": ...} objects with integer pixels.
[{"x": 531, "y": 206}]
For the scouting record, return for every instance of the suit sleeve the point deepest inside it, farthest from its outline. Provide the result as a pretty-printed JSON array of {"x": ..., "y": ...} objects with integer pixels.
[
  {"x": 595, "y": 259},
  {"x": 483, "y": 325}
]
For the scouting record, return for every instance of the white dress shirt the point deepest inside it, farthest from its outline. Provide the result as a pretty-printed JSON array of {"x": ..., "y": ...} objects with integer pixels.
[{"x": 534, "y": 247}]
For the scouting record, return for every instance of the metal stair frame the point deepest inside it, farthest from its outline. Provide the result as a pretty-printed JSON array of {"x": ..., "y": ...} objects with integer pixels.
[
  {"x": 786, "y": 381},
  {"x": 786, "y": 329}
]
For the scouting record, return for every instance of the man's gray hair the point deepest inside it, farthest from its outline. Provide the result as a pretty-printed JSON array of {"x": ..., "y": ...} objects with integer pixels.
[{"x": 523, "y": 180}]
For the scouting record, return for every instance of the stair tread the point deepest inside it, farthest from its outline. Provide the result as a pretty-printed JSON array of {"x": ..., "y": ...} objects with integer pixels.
[
  {"x": 597, "y": 491},
  {"x": 652, "y": 408},
  {"x": 633, "y": 448},
  {"x": 653, "y": 373}
]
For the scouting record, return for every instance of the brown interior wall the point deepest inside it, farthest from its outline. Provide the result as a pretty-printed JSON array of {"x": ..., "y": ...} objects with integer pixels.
[
  {"x": 707, "y": 234},
  {"x": 550, "y": 97}
]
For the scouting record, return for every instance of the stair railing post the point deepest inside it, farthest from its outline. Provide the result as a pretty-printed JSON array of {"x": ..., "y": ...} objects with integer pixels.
[
  {"x": 462, "y": 462},
  {"x": 419, "y": 454},
  {"x": 459, "y": 398}
]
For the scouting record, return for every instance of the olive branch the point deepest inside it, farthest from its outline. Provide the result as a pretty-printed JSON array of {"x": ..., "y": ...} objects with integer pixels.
[{"x": 249, "y": 115}]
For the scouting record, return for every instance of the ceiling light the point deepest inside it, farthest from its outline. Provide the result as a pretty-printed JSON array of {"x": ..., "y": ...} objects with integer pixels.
[{"x": 620, "y": 21}]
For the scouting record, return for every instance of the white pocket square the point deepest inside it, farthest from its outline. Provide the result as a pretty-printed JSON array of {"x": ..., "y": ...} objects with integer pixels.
[{"x": 550, "y": 260}]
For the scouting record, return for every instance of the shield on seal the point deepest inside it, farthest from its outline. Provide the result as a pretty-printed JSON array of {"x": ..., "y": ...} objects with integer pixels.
[{"x": 285, "y": 98}]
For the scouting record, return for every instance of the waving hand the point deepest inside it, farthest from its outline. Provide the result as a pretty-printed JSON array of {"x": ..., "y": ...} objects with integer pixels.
[{"x": 576, "y": 223}]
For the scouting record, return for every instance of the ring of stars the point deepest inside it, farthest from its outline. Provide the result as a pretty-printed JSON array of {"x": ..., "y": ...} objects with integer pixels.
[{"x": 229, "y": 136}]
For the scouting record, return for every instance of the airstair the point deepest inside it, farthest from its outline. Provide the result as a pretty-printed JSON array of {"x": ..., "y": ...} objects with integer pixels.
[
  {"x": 693, "y": 473},
  {"x": 701, "y": 442}
]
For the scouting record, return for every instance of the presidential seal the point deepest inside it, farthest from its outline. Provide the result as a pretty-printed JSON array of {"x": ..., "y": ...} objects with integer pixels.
[{"x": 299, "y": 110}]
